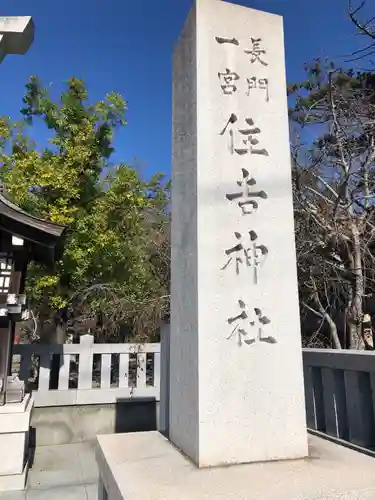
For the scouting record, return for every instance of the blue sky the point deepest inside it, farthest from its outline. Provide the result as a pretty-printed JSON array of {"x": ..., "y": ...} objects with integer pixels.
[{"x": 126, "y": 46}]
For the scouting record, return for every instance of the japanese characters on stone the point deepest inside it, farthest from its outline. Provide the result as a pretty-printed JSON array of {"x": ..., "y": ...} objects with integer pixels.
[
  {"x": 245, "y": 252},
  {"x": 249, "y": 326},
  {"x": 246, "y": 194},
  {"x": 229, "y": 79},
  {"x": 258, "y": 83},
  {"x": 243, "y": 140},
  {"x": 256, "y": 52},
  {"x": 248, "y": 252}
]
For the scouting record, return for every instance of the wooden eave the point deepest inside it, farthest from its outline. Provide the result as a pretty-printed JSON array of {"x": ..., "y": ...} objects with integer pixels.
[{"x": 43, "y": 235}]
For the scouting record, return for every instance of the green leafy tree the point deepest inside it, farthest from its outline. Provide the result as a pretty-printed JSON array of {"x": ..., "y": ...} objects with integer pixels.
[{"x": 113, "y": 217}]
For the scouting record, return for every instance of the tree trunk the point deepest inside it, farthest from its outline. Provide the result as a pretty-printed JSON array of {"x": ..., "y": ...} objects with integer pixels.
[
  {"x": 59, "y": 337},
  {"x": 324, "y": 315},
  {"x": 333, "y": 330},
  {"x": 60, "y": 333},
  {"x": 356, "y": 341}
]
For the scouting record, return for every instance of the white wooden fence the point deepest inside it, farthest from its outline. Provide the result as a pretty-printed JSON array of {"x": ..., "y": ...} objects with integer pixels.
[
  {"x": 339, "y": 385},
  {"x": 89, "y": 373}
]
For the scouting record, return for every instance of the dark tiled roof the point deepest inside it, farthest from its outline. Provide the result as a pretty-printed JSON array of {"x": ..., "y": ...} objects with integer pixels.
[{"x": 14, "y": 212}]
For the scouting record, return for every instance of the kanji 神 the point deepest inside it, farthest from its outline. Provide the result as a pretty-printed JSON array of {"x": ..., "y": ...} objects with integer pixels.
[
  {"x": 222, "y": 40},
  {"x": 258, "y": 83},
  {"x": 227, "y": 80},
  {"x": 243, "y": 323},
  {"x": 250, "y": 142},
  {"x": 257, "y": 256},
  {"x": 238, "y": 248},
  {"x": 256, "y": 51},
  {"x": 251, "y": 254},
  {"x": 247, "y": 205}
]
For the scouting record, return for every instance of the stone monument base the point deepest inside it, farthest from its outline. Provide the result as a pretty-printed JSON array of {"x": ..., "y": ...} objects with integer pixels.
[
  {"x": 14, "y": 443},
  {"x": 146, "y": 466}
]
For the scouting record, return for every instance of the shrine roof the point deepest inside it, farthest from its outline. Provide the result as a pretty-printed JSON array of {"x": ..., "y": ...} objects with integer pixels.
[
  {"x": 46, "y": 242},
  {"x": 17, "y": 214}
]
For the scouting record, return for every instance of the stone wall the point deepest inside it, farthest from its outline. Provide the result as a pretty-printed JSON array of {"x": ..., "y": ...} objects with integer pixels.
[{"x": 74, "y": 424}]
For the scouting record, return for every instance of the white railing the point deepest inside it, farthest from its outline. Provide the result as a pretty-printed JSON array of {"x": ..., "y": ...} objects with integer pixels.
[
  {"x": 88, "y": 373},
  {"x": 339, "y": 385},
  {"x": 340, "y": 394}
]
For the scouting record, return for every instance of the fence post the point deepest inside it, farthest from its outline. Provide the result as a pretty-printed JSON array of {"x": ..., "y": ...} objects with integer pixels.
[
  {"x": 141, "y": 367},
  {"x": 164, "y": 379},
  {"x": 85, "y": 362}
]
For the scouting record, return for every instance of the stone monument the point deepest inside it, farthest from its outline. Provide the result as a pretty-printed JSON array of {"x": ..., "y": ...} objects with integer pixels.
[
  {"x": 16, "y": 35},
  {"x": 235, "y": 343},
  {"x": 235, "y": 372}
]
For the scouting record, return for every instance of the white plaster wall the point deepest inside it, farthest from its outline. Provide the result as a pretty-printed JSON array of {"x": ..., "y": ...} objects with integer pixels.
[{"x": 251, "y": 400}]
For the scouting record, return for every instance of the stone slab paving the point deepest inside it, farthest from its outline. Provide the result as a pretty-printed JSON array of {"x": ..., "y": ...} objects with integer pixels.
[{"x": 66, "y": 472}]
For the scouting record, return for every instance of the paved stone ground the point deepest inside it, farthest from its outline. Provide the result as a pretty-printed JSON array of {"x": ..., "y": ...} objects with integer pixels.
[{"x": 65, "y": 472}]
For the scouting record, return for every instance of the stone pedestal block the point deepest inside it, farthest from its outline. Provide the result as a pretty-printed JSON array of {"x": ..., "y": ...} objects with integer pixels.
[
  {"x": 14, "y": 443},
  {"x": 145, "y": 466}
]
